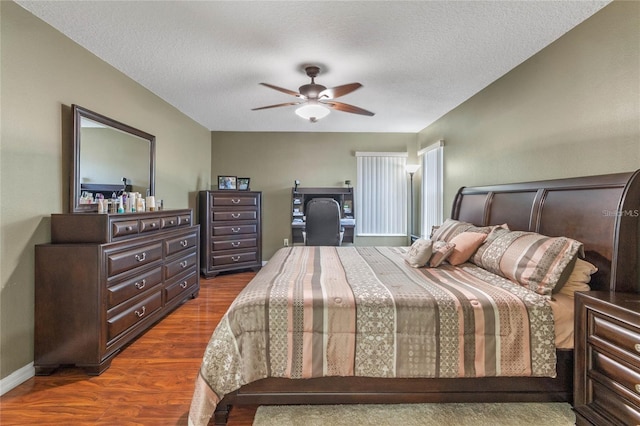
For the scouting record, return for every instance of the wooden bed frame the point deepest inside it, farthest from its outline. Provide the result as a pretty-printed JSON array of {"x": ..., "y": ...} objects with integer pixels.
[{"x": 600, "y": 211}]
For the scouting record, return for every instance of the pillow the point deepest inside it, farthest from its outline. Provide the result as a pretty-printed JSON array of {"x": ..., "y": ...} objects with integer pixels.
[
  {"x": 466, "y": 244},
  {"x": 579, "y": 278},
  {"x": 534, "y": 261},
  {"x": 450, "y": 228},
  {"x": 419, "y": 253},
  {"x": 441, "y": 251}
]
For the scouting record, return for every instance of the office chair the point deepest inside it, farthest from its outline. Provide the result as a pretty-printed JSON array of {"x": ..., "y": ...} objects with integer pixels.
[{"x": 322, "y": 227}]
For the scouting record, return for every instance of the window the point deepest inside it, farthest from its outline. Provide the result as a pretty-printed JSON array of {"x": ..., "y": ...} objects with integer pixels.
[
  {"x": 432, "y": 186},
  {"x": 381, "y": 196}
]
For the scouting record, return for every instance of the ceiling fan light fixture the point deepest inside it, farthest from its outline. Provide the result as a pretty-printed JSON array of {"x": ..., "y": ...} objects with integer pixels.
[{"x": 312, "y": 112}]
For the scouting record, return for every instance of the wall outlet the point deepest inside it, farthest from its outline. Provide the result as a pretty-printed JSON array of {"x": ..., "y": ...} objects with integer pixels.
[{"x": 286, "y": 242}]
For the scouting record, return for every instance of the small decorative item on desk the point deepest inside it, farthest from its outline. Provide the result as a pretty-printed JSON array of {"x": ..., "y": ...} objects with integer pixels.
[
  {"x": 227, "y": 182},
  {"x": 243, "y": 183}
]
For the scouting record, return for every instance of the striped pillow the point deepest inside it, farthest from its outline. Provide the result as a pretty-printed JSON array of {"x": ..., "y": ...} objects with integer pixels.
[
  {"x": 534, "y": 261},
  {"x": 452, "y": 228}
]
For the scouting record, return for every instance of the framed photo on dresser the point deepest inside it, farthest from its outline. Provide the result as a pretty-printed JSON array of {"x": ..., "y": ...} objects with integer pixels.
[
  {"x": 243, "y": 184},
  {"x": 227, "y": 182}
]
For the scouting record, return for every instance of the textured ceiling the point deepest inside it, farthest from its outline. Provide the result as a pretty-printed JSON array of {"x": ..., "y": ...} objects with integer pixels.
[{"x": 416, "y": 60}]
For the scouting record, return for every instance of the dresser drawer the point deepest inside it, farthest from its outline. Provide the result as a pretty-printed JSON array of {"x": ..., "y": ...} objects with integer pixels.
[
  {"x": 180, "y": 286},
  {"x": 609, "y": 332},
  {"x": 612, "y": 406},
  {"x": 126, "y": 318},
  {"x": 125, "y": 290},
  {"x": 124, "y": 227},
  {"x": 234, "y": 229},
  {"x": 232, "y": 244},
  {"x": 184, "y": 220},
  {"x": 121, "y": 261},
  {"x": 180, "y": 265},
  {"x": 230, "y": 259},
  {"x": 178, "y": 244},
  {"x": 616, "y": 373},
  {"x": 169, "y": 222},
  {"x": 151, "y": 224},
  {"x": 235, "y": 215},
  {"x": 221, "y": 200}
]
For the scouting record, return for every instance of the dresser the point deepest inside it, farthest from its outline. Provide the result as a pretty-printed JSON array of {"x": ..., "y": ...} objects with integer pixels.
[
  {"x": 607, "y": 359},
  {"x": 107, "y": 278},
  {"x": 231, "y": 238}
]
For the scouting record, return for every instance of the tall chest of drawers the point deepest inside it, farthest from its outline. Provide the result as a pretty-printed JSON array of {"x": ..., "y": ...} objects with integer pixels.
[
  {"x": 105, "y": 279},
  {"x": 607, "y": 359},
  {"x": 231, "y": 238}
]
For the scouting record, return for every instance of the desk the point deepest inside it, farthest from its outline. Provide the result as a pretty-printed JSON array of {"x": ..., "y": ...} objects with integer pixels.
[
  {"x": 301, "y": 196},
  {"x": 296, "y": 230}
]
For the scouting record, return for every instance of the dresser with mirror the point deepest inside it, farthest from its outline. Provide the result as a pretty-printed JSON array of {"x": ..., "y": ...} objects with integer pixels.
[{"x": 107, "y": 277}]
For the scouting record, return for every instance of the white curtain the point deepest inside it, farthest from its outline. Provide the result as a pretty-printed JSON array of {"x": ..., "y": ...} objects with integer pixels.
[
  {"x": 432, "y": 186},
  {"x": 381, "y": 196}
]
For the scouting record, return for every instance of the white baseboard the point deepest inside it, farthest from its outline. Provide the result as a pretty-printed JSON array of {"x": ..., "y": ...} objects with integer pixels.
[{"x": 16, "y": 378}]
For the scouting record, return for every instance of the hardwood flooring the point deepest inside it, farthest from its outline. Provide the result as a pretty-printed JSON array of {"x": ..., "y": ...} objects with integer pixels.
[{"x": 149, "y": 383}]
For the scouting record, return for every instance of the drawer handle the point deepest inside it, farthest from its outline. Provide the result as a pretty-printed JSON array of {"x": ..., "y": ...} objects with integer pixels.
[
  {"x": 235, "y": 244},
  {"x": 140, "y": 258},
  {"x": 140, "y": 285},
  {"x": 129, "y": 228},
  {"x": 637, "y": 386},
  {"x": 235, "y": 230},
  {"x": 187, "y": 220},
  {"x": 153, "y": 224},
  {"x": 235, "y": 258},
  {"x": 184, "y": 264},
  {"x": 235, "y": 201},
  {"x": 140, "y": 314},
  {"x": 235, "y": 215},
  {"x": 183, "y": 284},
  {"x": 184, "y": 243},
  {"x": 637, "y": 347},
  {"x": 171, "y": 222}
]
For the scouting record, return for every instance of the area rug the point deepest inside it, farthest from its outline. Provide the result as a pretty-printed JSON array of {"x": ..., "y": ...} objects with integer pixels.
[{"x": 444, "y": 414}]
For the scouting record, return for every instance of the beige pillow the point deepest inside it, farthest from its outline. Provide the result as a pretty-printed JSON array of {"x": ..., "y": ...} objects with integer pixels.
[
  {"x": 579, "y": 278},
  {"x": 466, "y": 244},
  {"x": 441, "y": 251},
  {"x": 419, "y": 253},
  {"x": 534, "y": 261}
]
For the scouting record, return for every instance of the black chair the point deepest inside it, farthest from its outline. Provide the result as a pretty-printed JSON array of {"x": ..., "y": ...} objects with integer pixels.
[{"x": 322, "y": 227}]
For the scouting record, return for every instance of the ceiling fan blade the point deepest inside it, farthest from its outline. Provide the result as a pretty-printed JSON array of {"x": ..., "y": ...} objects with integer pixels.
[
  {"x": 283, "y": 90},
  {"x": 336, "y": 92},
  {"x": 276, "y": 106},
  {"x": 339, "y": 106}
]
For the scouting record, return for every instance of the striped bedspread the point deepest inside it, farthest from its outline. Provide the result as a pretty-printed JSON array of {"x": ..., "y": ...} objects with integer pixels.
[{"x": 344, "y": 311}]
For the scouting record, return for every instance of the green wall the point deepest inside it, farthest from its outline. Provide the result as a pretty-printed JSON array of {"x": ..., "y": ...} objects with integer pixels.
[
  {"x": 571, "y": 110},
  {"x": 42, "y": 74},
  {"x": 273, "y": 160}
]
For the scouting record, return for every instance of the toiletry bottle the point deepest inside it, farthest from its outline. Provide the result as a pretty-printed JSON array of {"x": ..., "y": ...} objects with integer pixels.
[{"x": 120, "y": 204}]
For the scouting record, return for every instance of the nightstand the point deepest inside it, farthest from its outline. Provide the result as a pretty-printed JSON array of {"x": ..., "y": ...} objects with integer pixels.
[{"x": 607, "y": 358}]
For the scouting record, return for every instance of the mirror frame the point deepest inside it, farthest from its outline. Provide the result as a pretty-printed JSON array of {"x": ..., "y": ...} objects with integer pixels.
[{"x": 74, "y": 185}]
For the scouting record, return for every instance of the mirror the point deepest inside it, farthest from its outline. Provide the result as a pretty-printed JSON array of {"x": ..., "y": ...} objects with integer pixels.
[{"x": 108, "y": 157}]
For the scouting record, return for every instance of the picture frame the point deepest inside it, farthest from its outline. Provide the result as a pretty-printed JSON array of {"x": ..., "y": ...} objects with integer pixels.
[
  {"x": 243, "y": 183},
  {"x": 227, "y": 182}
]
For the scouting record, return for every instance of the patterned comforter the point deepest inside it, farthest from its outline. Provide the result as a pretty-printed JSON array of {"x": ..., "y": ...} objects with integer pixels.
[{"x": 362, "y": 311}]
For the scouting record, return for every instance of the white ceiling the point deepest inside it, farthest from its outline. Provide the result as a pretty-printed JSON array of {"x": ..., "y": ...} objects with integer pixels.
[{"x": 416, "y": 60}]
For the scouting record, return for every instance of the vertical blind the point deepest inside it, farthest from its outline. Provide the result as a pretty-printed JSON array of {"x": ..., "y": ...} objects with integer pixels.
[
  {"x": 432, "y": 186},
  {"x": 382, "y": 194}
]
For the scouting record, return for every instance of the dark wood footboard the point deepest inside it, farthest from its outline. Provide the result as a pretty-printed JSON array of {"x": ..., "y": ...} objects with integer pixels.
[{"x": 366, "y": 390}]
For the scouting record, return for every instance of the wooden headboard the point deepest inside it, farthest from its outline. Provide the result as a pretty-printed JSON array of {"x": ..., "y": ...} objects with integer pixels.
[{"x": 601, "y": 211}]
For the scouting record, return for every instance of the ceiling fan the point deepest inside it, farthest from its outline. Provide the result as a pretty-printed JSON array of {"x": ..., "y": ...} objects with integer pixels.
[{"x": 316, "y": 99}]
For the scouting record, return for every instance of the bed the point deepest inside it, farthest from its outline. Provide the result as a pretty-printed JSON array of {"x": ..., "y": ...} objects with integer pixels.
[{"x": 601, "y": 212}]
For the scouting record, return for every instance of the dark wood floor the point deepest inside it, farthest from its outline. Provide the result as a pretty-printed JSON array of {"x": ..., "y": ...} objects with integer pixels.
[{"x": 149, "y": 383}]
